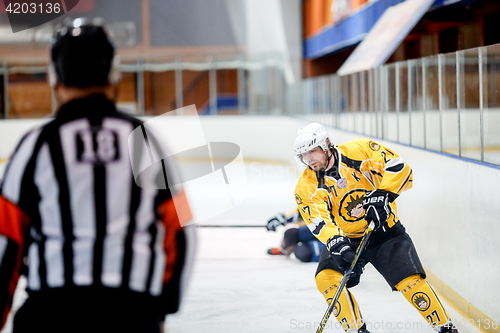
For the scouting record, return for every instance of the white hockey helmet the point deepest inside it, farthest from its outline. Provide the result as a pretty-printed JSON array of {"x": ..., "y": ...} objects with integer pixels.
[{"x": 309, "y": 137}]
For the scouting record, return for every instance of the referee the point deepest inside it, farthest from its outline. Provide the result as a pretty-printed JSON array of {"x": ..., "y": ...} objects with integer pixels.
[{"x": 101, "y": 254}]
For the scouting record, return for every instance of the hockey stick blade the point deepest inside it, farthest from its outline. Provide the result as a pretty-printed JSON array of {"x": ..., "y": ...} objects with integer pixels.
[{"x": 345, "y": 278}]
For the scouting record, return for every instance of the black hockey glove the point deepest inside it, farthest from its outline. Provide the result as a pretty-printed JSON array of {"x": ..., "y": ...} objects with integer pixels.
[
  {"x": 377, "y": 207},
  {"x": 281, "y": 219},
  {"x": 339, "y": 247},
  {"x": 275, "y": 222}
]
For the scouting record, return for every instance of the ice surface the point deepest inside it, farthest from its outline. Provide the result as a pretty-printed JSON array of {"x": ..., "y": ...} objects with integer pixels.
[{"x": 237, "y": 287}]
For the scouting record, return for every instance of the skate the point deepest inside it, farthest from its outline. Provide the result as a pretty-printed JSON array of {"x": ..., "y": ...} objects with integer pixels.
[
  {"x": 448, "y": 328},
  {"x": 275, "y": 251},
  {"x": 361, "y": 330}
]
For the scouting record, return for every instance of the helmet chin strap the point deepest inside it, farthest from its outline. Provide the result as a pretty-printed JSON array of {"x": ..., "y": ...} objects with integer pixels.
[{"x": 329, "y": 157}]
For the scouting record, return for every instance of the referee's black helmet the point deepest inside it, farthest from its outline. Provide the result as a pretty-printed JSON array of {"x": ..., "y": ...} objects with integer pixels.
[{"x": 82, "y": 54}]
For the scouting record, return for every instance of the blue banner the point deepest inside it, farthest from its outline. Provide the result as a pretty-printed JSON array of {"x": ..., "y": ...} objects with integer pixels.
[{"x": 351, "y": 30}]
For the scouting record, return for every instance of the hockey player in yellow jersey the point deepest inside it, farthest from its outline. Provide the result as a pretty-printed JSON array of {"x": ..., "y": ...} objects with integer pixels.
[{"x": 344, "y": 188}]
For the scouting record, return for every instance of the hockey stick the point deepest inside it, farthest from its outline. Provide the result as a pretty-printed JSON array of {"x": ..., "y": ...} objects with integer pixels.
[
  {"x": 287, "y": 215},
  {"x": 346, "y": 277},
  {"x": 229, "y": 226}
]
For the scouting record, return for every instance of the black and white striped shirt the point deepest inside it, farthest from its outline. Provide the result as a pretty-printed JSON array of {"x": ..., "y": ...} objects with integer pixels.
[{"x": 69, "y": 199}]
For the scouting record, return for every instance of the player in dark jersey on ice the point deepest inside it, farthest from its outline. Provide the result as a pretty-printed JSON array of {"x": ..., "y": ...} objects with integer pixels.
[
  {"x": 344, "y": 188},
  {"x": 297, "y": 240}
]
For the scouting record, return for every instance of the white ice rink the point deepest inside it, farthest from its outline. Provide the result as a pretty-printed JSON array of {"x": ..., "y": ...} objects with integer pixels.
[{"x": 237, "y": 287}]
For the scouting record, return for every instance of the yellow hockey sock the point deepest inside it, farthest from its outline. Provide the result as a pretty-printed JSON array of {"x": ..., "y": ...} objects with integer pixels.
[
  {"x": 420, "y": 294},
  {"x": 349, "y": 315}
]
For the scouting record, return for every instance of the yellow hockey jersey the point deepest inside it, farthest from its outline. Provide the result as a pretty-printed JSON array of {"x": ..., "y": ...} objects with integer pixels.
[{"x": 331, "y": 202}]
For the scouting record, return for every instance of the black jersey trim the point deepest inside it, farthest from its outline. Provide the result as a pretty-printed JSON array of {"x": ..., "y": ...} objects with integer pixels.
[
  {"x": 396, "y": 168},
  {"x": 7, "y": 168},
  {"x": 101, "y": 219},
  {"x": 353, "y": 164},
  {"x": 100, "y": 204},
  {"x": 135, "y": 197},
  {"x": 29, "y": 200},
  {"x": 153, "y": 230},
  {"x": 320, "y": 177},
  {"x": 56, "y": 153},
  {"x": 334, "y": 171}
]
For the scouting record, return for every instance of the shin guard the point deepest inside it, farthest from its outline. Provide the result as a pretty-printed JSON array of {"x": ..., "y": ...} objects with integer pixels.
[
  {"x": 420, "y": 294},
  {"x": 346, "y": 310}
]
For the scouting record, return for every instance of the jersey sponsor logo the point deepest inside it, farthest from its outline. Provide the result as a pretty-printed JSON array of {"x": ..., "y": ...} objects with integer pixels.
[
  {"x": 334, "y": 242},
  {"x": 298, "y": 199},
  {"x": 421, "y": 301},
  {"x": 374, "y": 200},
  {"x": 374, "y": 146},
  {"x": 351, "y": 206},
  {"x": 342, "y": 183}
]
